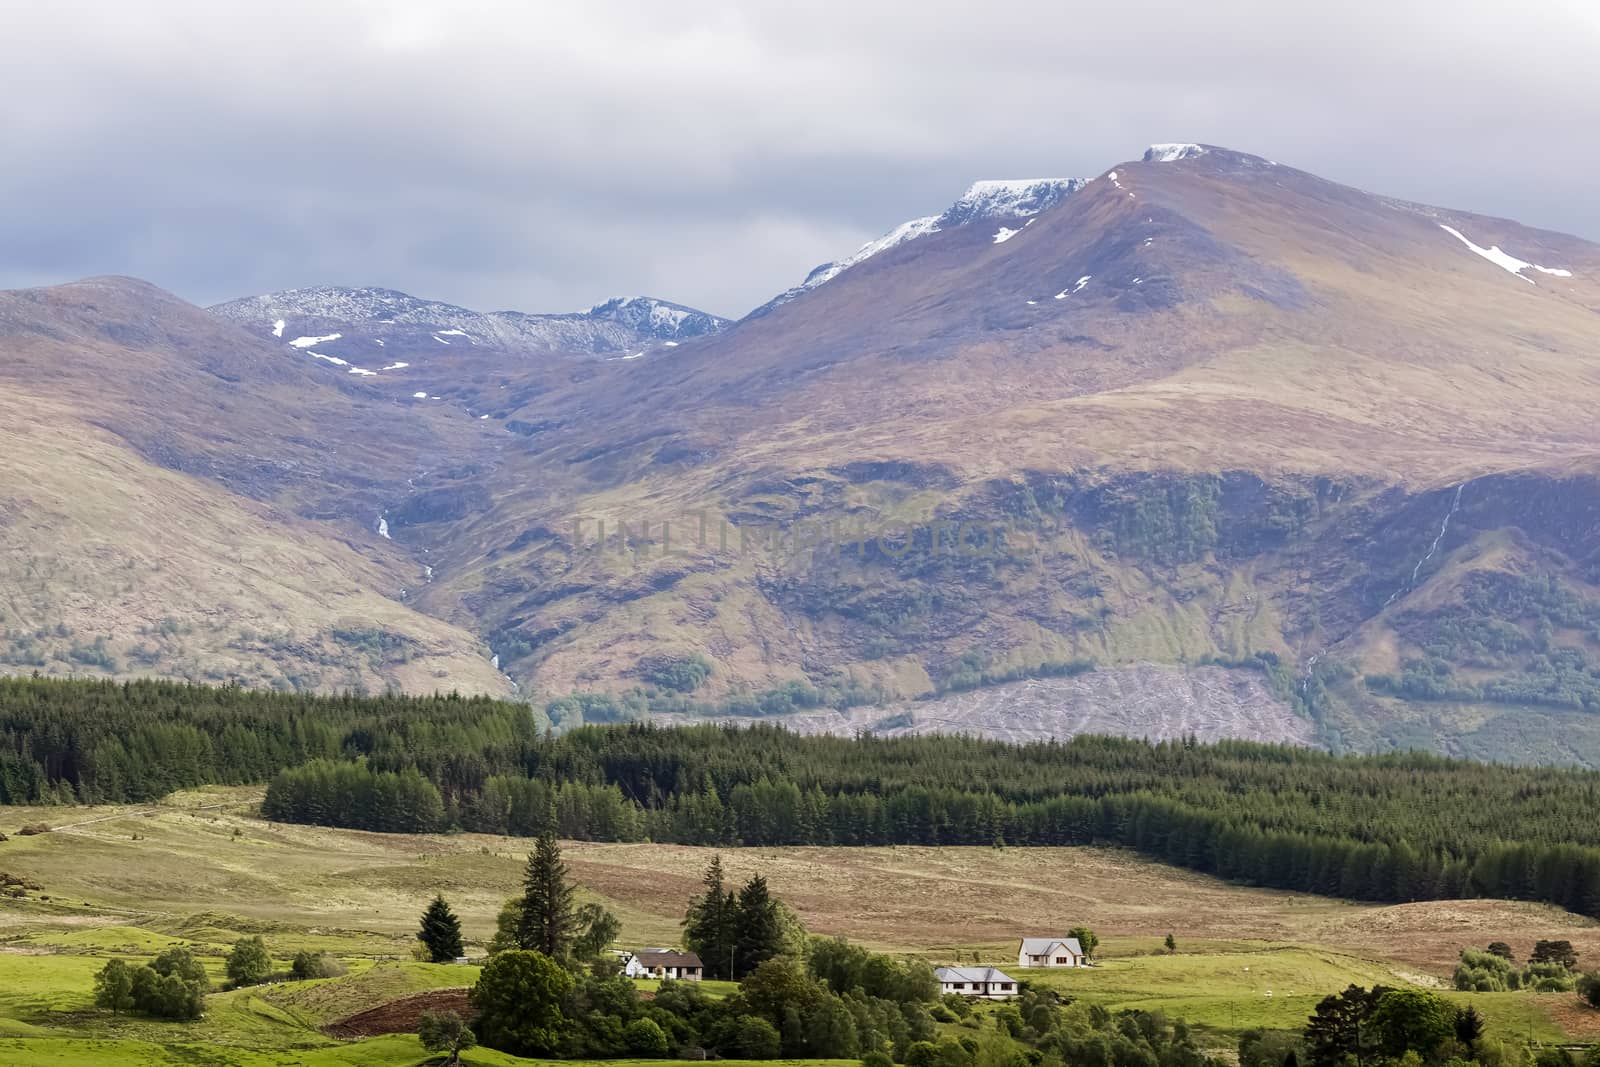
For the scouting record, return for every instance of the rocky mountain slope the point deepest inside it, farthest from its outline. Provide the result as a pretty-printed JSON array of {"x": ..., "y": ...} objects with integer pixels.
[{"x": 1203, "y": 430}]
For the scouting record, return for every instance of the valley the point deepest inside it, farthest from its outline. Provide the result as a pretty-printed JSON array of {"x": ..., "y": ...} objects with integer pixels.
[{"x": 201, "y": 869}]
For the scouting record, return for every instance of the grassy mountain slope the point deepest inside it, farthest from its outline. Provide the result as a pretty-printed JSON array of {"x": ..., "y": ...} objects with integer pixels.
[
  {"x": 1223, "y": 407},
  {"x": 151, "y": 462}
]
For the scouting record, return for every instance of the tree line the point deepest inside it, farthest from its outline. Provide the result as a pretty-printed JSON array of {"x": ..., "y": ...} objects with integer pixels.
[{"x": 1396, "y": 827}]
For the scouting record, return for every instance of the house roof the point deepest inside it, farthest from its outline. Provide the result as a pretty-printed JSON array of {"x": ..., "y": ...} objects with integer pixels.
[
  {"x": 667, "y": 957},
  {"x": 1043, "y": 946},
  {"x": 971, "y": 974}
]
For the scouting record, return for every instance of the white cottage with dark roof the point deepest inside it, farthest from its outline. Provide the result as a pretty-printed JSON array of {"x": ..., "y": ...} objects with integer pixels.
[
  {"x": 985, "y": 982},
  {"x": 1051, "y": 952}
]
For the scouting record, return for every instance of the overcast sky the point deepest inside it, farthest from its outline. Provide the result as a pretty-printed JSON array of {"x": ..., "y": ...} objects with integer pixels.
[{"x": 543, "y": 156}]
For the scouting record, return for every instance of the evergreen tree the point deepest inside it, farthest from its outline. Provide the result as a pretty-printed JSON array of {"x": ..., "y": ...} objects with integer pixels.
[
  {"x": 709, "y": 925},
  {"x": 547, "y": 922},
  {"x": 757, "y": 931},
  {"x": 1468, "y": 1027},
  {"x": 440, "y": 932}
]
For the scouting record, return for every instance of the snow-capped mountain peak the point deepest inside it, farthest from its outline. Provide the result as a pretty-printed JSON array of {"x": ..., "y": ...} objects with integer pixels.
[
  {"x": 1003, "y": 198},
  {"x": 370, "y": 316},
  {"x": 1171, "y": 152},
  {"x": 984, "y": 200}
]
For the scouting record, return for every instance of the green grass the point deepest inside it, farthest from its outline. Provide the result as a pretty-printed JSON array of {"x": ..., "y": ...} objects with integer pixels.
[
  {"x": 714, "y": 989},
  {"x": 318, "y": 1003},
  {"x": 138, "y": 883},
  {"x": 1227, "y": 992}
]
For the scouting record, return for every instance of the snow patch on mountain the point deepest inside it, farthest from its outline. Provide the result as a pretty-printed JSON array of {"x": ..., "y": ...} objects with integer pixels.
[
  {"x": 307, "y": 342},
  {"x": 990, "y": 199},
  {"x": 1172, "y": 152},
  {"x": 359, "y": 315},
  {"x": 1078, "y": 286},
  {"x": 906, "y": 231},
  {"x": 1004, "y": 234},
  {"x": 1504, "y": 260},
  {"x": 277, "y": 328}
]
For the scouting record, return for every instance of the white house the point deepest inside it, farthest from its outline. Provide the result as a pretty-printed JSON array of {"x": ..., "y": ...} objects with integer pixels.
[
  {"x": 662, "y": 963},
  {"x": 985, "y": 982},
  {"x": 1051, "y": 952}
]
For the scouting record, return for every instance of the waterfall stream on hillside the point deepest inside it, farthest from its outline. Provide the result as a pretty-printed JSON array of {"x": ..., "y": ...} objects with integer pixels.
[{"x": 1455, "y": 505}]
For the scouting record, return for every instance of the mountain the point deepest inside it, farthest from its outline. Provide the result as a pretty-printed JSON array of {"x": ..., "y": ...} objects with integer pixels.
[
  {"x": 398, "y": 346},
  {"x": 179, "y": 498},
  {"x": 1003, "y": 200},
  {"x": 1201, "y": 444},
  {"x": 1234, "y": 415},
  {"x": 384, "y": 319}
]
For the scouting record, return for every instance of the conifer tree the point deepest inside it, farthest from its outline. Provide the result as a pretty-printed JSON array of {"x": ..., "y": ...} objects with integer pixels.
[
  {"x": 441, "y": 932},
  {"x": 757, "y": 931},
  {"x": 547, "y": 921},
  {"x": 708, "y": 928}
]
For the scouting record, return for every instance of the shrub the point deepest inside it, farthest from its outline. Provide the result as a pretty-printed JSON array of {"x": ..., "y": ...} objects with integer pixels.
[
  {"x": 1589, "y": 988},
  {"x": 757, "y": 1039},
  {"x": 680, "y": 674},
  {"x": 877, "y": 1059},
  {"x": 644, "y": 1037},
  {"x": 1485, "y": 972},
  {"x": 316, "y": 965},
  {"x": 1547, "y": 978}
]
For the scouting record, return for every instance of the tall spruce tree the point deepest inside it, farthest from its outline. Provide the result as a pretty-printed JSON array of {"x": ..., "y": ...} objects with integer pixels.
[
  {"x": 708, "y": 928},
  {"x": 547, "y": 923},
  {"x": 757, "y": 931},
  {"x": 441, "y": 932}
]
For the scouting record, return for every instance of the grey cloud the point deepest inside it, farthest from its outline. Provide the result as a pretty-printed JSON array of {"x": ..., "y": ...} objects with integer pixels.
[{"x": 545, "y": 156}]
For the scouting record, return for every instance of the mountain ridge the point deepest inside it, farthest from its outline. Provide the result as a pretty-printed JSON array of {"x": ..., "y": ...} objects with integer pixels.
[
  {"x": 1237, "y": 417},
  {"x": 614, "y": 325}
]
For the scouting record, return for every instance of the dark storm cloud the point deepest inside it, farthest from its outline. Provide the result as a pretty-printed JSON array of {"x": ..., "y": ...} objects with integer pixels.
[{"x": 544, "y": 156}]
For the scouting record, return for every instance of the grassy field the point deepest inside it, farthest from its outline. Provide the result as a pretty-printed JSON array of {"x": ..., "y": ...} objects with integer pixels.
[{"x": 201, "y": 870}]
